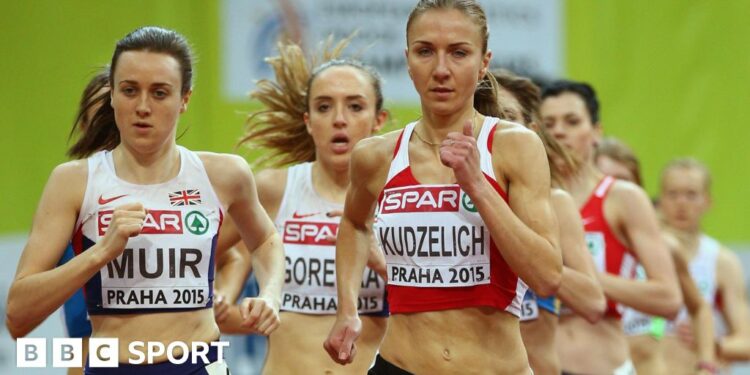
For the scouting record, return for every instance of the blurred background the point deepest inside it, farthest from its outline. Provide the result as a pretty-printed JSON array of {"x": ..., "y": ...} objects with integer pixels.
[{"x": 672, "y": 78}]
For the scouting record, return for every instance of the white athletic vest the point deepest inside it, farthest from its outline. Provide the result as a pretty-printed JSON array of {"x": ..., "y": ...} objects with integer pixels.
[
  {"x": 170, "y": 265},
  {"x": 703, "y": 270},
  {"x": 309, "y": 243}
]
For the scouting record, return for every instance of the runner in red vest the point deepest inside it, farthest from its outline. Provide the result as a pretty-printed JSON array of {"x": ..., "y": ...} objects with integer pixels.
[
  {"x": 621, "y": 228},
  {"x": 580, "y": 289},
  {"x": 463, "y": 214}
]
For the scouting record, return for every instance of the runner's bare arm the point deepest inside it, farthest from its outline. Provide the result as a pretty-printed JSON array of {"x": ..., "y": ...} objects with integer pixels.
[
  {"x": 659, "y": 294},
  {"x": 525, "y": 229},
  {"x": 232, "y": 269},
  {"x": 354, "y": 241},
  {"x": 40, "y": 287},
  {"x": 580, "y": 289},
  {"x": 375, "y": 257},
  {"x": 232, "y": 176},
  {"x": 233, "y": 263},
  {"x": 736, "y": 345},
  {"x": 270, "y": 195},
  {"x": 701, "y": 316}
]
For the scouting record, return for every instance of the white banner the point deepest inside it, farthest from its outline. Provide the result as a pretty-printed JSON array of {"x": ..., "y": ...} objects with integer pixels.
[{"x": 525, "y": 36}]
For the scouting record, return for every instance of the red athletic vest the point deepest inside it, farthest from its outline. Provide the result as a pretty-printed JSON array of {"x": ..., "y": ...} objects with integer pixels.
[
  {"x": 608, "y": 252},
  {"x": 439, "y": 253}
]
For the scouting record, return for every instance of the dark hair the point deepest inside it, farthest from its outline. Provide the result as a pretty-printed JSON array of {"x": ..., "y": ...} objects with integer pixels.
[
  {"x": 485, "y": 95},
  {"x": 101, "y": 132},
  {"x": 582, "y": 89},
  {"x": 280, "y": 126},
  {"x": 528, "y": 95},
  {"x": 94, "y": 97}
]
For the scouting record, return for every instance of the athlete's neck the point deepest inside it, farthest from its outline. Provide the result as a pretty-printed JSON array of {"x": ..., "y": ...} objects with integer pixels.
[
  {"x": 146, "y": 168},
  {"x": 688, "y": 239},
  {"x": 581, "y": 183},
  {"x": 330, "y": 183},
  {"x": 433, "y": 128}
]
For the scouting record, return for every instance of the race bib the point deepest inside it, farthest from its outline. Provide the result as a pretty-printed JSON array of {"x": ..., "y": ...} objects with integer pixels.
[
  {"x": 310, "y": 276},
  {"x": 529, "y": 309},
  {"x": 433, "y": 236},
  {"x": 150, "y": 276},
  {"x": 156, "y": 278}
]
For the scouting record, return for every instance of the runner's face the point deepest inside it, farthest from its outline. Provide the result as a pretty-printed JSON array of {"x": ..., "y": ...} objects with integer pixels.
[
  {"x": 147, "y": 99},
  {"x": 684, "y": 199},
  {"x": 614, "y": 168},
  {"x": 567, "y": 120},
  {"x": 342, "y": 111},
  {"x": 445, "y": 60}
]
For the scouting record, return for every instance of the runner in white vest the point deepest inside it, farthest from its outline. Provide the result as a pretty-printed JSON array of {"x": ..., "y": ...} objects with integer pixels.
[
  {"x": 145, "y": 215},
  {"x": 326, "y": 112},
  {"x": 645, "y": 333},
  {"x": 684, "y": 200}
]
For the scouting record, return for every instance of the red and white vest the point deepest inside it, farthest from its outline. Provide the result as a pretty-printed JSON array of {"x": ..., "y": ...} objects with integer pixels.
[
  {"x": 609, "y": 254},
  {"x": 438, "y": 251}
]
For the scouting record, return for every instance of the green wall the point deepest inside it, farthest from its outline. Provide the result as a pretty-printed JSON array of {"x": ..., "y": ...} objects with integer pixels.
[
  {"x": 671, "y": 76},
  {"x": 673, "y": 79}
]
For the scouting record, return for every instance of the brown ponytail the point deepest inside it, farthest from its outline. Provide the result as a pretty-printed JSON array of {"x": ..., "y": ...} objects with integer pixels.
[{"x": 94, "y": 117}]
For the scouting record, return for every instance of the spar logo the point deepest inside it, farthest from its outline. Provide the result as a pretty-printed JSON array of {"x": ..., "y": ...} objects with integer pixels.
[
  {"x": 308, "y": 233},
  {"x": 467, "y": 203},
  {"x": 196, "y": 223},
  {"x": 421, "y": 199},
  {"x": 156, "y": 222}
]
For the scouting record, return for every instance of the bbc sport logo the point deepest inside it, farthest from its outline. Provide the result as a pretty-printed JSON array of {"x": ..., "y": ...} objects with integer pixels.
[{"x": 103, "y": 352}]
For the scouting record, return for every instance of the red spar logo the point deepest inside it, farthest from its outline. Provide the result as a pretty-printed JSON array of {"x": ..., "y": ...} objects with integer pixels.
[
  {"x": 156, "y": 222},
  {"x": 307, "y": 233},
  {"x": 421, "y": 199}
]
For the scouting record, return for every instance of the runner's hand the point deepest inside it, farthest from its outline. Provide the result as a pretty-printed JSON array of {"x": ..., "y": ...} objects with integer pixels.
[
  {"x": 260, "y": 314},
  {"x": 221, "y": 307},
  {"x": 341, "y": 342},
  {"x": 127, "y": 221},
  {"x": 459, "y": 152}
]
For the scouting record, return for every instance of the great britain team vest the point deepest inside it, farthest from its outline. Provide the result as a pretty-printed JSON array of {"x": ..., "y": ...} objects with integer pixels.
[
  {"x": 609, "y": 254},
  {"x": 170, "y": 265},
  {"x": 309, "y": 233},
  {"x": 438, "y": 251}
]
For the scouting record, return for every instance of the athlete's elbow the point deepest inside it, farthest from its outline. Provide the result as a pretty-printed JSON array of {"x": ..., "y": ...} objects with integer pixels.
[
  {"x": 597, "y": 309},
  {"x": 672, "y": 305},
  {"x": 15, "y": 323},
  {"x": 549, "y": 284}
]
